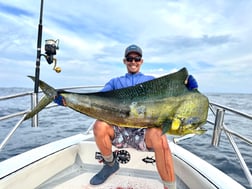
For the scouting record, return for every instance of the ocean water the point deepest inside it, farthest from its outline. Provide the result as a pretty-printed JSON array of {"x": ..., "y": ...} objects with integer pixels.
[{"x": 60, "y": 122}]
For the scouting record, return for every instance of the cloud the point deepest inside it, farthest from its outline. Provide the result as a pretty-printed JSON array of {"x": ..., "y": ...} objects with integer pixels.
[
  {"x": 211, "y": 38},
  {"x": 13, "y": 10},
  {"x": 173, "y": 44}
]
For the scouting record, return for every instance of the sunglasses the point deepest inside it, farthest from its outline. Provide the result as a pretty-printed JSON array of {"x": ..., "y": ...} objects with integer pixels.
[{"x": 130, "y": 59}]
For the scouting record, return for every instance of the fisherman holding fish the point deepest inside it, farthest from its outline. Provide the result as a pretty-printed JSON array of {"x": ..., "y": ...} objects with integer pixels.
[
  {"x": 144, "y": 139},
  {"x": 148, "y": 124}
]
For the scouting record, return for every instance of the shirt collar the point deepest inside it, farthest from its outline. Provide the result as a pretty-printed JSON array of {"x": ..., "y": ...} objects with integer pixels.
[{"x": 133, "y": 75}]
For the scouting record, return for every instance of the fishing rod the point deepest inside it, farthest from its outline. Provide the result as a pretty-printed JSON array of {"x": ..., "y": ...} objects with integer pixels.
[
  {"x": 37, "y": 68},
  {"x": 50, "y": 50}
]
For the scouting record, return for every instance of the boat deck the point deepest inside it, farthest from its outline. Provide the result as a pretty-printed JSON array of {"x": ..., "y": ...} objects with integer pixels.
[
  {"x": 78, "y": 177},
  {"x": 127, "y": 177},
  {"x": 115, "y": 182},
  {"x": 71, "y": 163}
]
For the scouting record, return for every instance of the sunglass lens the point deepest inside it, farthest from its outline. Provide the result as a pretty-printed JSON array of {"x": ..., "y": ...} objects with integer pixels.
[
  {"x": 137, "y": 59},
  {"x": 130, "y": 59}
]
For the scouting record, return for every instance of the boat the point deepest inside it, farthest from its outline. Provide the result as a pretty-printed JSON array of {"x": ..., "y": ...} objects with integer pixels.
[{"x": 71, "y": 162}]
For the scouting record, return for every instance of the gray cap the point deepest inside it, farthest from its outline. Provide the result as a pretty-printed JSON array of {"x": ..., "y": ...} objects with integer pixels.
[{"x": 133, "y": 48}]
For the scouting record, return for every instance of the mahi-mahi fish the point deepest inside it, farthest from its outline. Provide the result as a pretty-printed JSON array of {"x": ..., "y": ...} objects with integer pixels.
[{"x": 164, "y": 102}]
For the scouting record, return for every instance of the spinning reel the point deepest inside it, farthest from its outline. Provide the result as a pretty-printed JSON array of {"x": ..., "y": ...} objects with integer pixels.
[{"x": 51, "y": 46}]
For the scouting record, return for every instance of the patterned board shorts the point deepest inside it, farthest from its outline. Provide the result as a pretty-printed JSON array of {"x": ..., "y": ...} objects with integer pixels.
[{"x": 130, "y": 138}]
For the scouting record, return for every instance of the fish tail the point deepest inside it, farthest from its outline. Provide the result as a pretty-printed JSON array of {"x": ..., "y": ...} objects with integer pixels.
[{"x": 50, "y": 93}]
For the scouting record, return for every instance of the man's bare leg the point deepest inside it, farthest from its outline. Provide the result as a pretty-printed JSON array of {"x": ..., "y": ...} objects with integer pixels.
[
  {"x": 104, "y": 133},
  {"x": 164, "y": 162}
]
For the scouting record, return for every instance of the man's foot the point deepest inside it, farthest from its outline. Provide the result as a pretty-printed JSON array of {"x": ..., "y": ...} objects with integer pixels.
[{"x": 107, "y": 170}]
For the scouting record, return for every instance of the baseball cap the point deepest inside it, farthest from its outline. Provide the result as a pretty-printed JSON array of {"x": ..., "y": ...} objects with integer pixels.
[{"x": 133, "y": 48}]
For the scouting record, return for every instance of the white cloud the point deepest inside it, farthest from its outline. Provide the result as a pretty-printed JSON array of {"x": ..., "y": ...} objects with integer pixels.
[{"x": 211, "y": 38}]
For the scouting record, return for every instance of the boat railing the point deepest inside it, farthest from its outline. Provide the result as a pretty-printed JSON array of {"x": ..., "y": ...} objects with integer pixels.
[
  {"x": 218, "y": 111},
  {"x": 34, "y": 122}
]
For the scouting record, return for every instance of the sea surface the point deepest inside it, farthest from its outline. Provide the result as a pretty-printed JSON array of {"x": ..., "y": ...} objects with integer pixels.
[{"x": 60, "y": 122}]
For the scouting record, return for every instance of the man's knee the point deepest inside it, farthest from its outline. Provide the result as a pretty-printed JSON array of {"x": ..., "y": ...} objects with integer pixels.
[
  {"x": 155, "y": 138},
  {"x": 102, "y": 128},
  {"x": 153, "y": 133}
]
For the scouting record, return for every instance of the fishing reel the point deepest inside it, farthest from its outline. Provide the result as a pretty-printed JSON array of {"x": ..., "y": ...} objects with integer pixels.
[{"x": 51, "y": 46}]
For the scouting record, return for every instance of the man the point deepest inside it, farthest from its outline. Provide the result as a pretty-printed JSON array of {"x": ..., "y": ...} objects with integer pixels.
[
  {"x": 142, "y": 139},
  {"x": 147, "y": 139}
]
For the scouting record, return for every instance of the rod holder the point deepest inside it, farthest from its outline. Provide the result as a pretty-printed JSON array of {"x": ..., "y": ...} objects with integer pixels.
[
  {"x": 218, "y": 125},
  {"x": 34, "y": 100}
]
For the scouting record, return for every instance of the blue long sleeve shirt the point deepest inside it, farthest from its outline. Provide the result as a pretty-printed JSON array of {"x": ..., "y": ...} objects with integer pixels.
[{"x": 126, "y": 81}]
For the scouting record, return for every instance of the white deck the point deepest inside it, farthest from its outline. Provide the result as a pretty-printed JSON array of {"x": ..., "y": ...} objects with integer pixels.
[
  {"x": 70, "y": 163},
  {"x": 115, "y": 182},
  {"x": 129, "y": 176}
]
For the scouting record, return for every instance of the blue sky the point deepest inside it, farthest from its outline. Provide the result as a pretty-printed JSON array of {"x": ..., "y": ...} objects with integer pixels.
[{"x": 212, "y": 39}]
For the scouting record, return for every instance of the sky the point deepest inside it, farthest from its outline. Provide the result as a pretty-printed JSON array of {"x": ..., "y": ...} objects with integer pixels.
[{"x": 212, "y": 39}]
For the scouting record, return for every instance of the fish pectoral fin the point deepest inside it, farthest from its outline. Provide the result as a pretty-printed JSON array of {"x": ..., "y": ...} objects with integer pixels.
[{"x": 166, "y": 126}]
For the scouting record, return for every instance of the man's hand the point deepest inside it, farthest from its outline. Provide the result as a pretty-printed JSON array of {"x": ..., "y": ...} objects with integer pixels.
[
  {"x": 191, "y": 83},
  {"x": 59, "y": 100}
]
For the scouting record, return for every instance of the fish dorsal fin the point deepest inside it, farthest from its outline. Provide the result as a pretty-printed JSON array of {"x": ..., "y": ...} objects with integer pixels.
[{"x": 165, "y": 86}]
